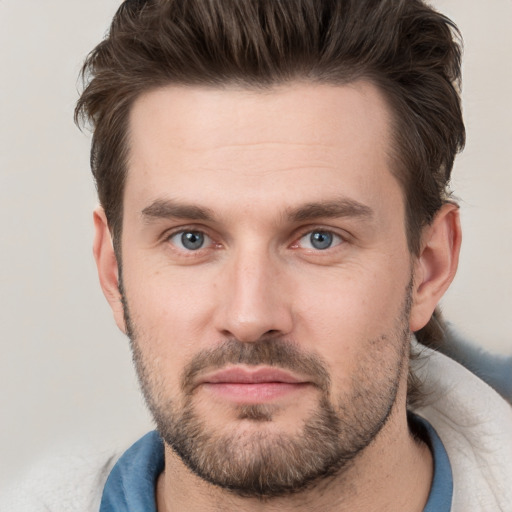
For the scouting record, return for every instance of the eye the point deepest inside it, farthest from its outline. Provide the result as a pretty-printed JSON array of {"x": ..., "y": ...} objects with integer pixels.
[
  {"x": 320, "y": 240},
  {"x": 190, "y": 240}
]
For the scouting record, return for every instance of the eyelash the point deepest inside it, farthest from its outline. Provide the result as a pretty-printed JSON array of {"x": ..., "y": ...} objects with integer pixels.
[
  {"x": 182, "y": 231},
  {"x": 338, "y": 239}
]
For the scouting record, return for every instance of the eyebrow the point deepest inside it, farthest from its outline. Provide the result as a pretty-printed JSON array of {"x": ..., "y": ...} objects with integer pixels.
[
  {"x": 330, "y": 209},
  {"x": 169, "y": 209}
]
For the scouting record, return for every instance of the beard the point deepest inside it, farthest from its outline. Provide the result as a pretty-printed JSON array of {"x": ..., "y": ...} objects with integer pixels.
[{"x": 263, "y": 462}]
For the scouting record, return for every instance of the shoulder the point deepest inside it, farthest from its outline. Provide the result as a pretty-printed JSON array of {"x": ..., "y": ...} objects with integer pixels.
[
  {"x": 72, "y": 483},
  {"x": 475, "y": 425},
  {"x": 493, "y": 368}
]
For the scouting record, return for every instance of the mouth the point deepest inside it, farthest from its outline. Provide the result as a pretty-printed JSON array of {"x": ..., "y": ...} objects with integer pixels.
[{"x": 247, "y": 385}]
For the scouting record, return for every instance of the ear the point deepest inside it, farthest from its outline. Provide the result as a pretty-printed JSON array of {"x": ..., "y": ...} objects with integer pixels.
[
  {"x": 436, "y": 265},
  {"x": 106, "y": 263}
]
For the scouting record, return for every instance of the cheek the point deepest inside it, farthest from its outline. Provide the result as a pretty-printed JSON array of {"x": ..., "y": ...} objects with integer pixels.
[
  {"x": 169, "y": 309},
  {"x": 342, "y": 314},
  {"x": 163, "y": 294}
]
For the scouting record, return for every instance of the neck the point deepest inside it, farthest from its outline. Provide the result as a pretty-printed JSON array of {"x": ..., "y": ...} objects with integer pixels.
[{"x": 394, "y": 473}]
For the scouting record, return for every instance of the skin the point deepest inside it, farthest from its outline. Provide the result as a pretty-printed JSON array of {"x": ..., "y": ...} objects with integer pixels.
[{"x": 252, "y": 159}]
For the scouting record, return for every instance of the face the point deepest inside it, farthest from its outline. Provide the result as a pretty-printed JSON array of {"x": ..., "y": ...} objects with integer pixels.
[{"x": 266, "y": 278}]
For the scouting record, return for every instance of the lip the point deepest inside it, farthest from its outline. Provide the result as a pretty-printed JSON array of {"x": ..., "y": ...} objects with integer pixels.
[
  {"x": 244, "y": 385},
  {"x": 258, "y": 375}
]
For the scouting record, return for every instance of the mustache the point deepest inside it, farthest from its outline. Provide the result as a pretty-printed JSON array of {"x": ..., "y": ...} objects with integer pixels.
[{"x": 266, "y": 351}]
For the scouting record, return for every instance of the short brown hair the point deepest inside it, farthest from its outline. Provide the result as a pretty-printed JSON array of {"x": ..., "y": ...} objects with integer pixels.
[{"x": 407, "y": 49}]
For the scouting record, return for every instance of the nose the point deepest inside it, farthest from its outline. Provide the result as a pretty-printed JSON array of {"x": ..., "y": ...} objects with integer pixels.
[{"x": 255, "y": 301}]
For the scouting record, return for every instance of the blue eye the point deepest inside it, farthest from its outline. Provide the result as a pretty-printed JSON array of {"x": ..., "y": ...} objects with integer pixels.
[
  {"x": 320, "y": 240},
  {"x": 189, "y": 240}
]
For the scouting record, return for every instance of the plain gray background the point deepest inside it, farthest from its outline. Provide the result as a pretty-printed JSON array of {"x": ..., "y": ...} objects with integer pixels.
[{"x": 65, "y": 371}]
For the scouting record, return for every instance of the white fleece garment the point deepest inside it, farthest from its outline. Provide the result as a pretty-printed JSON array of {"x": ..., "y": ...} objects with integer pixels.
[
  {"x": 472, "y": 420},
  {"x": 475, "y": 425}
]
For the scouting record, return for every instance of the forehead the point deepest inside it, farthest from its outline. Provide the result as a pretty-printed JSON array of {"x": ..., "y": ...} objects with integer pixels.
[
  {"x": 195, "y": 117},
  {"x": 283, "y": 142}
]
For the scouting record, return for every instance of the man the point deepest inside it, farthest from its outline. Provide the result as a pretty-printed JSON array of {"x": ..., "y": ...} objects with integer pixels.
[{"x": 274, "y": 226}]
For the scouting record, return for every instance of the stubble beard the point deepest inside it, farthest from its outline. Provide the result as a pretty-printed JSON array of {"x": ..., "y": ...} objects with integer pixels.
[{"x": 265, "y": 463}]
